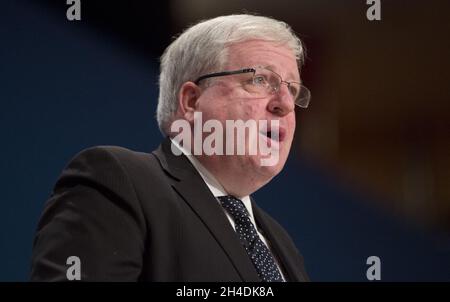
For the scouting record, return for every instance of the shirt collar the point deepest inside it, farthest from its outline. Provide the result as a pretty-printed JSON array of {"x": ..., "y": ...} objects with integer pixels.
[{"x": 213, "y": 184}]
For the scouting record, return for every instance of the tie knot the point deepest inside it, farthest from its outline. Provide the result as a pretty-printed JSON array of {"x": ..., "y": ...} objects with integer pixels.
[{"x": 235, "y": 207}]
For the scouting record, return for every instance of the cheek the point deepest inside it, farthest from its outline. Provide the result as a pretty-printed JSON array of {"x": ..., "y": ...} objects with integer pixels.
[
  {"x": 218, "y": 103},
  {"x": 252, "y": 110},
  {"x": 291, "y": 124},
  {"x": 211, "y": 108}
]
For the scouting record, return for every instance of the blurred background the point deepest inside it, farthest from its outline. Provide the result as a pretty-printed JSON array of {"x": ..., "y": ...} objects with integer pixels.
[{"x": 369, "y": 173}]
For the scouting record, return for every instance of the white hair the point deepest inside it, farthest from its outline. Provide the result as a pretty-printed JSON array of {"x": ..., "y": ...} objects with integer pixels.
[{"x": 202, "y": 49}]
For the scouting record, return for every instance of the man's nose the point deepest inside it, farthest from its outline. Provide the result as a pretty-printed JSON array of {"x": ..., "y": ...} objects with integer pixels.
[{"x": 281, "y": 101}]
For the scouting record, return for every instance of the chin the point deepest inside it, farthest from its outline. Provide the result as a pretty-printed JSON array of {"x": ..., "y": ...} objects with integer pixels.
[
  {"x": 269, "y": 170},
  {"x": 255, "y": 175}
]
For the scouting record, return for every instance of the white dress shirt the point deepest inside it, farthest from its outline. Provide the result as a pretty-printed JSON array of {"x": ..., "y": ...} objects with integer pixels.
[{"x": 218, "y": 190}]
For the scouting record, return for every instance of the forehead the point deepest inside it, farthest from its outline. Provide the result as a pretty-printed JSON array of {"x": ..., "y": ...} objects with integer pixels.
[{"x": 280, "y": 58}]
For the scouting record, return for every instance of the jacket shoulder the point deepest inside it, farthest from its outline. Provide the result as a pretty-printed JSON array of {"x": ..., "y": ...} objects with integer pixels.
[{"x": 108, "y": 165}]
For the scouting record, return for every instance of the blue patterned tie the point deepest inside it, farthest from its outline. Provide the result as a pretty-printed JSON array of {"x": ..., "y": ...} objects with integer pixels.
[{"x": 256, "y": 249}]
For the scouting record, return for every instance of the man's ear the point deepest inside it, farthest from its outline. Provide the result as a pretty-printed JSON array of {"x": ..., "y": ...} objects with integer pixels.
[{"x": 187, "y": 98}]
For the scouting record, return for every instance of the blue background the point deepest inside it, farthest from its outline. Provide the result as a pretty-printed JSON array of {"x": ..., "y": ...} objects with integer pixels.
[{"x": 64, "y": 89}]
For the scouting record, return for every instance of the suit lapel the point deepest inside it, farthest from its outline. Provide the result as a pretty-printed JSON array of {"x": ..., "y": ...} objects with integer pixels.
[
  {"x": 277, "y": 246},
  {"x": 189, "y": 184}
]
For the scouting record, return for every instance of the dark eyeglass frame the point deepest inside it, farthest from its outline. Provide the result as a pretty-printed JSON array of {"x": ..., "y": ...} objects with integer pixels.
[{"x": 224, "y": 73}]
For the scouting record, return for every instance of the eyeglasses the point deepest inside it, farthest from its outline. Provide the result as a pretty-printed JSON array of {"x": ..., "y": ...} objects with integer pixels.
[{"x": 264, "y": 82}]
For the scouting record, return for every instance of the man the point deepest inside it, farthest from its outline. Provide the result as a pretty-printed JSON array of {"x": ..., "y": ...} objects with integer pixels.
[{"x": 131, "y": 216}]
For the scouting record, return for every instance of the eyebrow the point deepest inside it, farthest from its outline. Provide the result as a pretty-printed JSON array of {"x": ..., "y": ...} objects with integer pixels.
[{"x": 272, "y": 67}]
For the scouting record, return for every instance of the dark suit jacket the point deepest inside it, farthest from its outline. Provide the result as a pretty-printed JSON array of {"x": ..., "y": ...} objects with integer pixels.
[{"x": 133, "y": 216}]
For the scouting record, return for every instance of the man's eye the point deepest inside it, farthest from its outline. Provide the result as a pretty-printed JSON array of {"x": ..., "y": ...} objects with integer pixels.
[{"x": 259, "y": 80}]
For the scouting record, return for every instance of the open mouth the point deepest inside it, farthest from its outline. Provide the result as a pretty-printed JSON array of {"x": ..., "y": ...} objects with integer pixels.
[{"x": 275, "y": 134}]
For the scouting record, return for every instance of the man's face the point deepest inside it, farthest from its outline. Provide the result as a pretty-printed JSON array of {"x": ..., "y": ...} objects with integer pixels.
[{"x": 225, "y": 98}]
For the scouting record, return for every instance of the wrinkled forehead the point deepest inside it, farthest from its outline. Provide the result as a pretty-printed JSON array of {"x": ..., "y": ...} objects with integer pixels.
[{"x": 274, "y": 56}]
